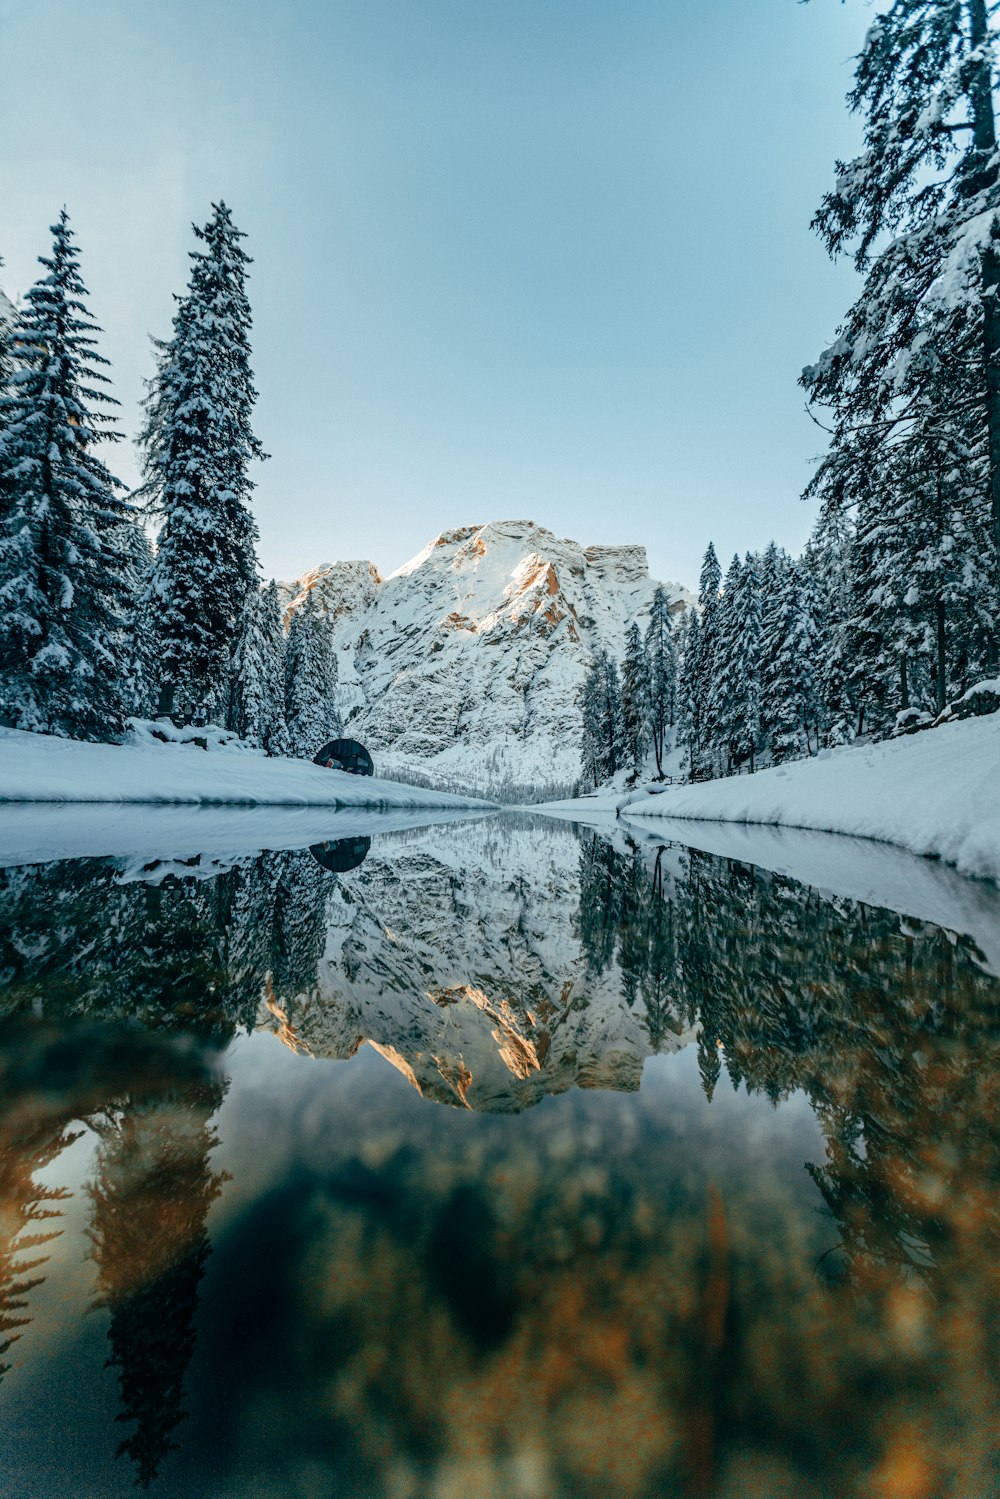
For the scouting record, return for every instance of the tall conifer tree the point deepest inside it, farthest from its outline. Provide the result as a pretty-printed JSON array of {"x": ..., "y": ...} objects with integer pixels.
[
  {"x": 636, "y": 703},
  {"x": 916, "y": 364},
  {"x": 661, "y": 656},
  {"x": 709, "y": 603},
  {"x": 67, "y": 577},
  {"x": 198, "y": 444}
]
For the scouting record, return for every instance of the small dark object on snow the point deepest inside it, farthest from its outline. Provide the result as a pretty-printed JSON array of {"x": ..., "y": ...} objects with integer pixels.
[
  {"x": 346, "y": 754},
  {"x": 341, "y": 855}
]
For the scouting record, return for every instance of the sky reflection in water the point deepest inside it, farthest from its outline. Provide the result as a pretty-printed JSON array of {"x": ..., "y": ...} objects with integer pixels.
[{"x": 441, "y": 1241}]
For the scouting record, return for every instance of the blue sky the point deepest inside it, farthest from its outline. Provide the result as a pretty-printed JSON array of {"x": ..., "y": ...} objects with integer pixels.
[{"x": 542, "y": 258}]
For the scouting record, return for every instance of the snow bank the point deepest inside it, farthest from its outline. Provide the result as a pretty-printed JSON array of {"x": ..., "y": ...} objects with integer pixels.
[
  {"x": 937, "y": 794},
  {"x": 42, "y": 768}
]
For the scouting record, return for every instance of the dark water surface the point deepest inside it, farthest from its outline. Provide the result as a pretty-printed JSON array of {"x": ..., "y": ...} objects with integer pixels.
[{"x": 494, "y": 1158}]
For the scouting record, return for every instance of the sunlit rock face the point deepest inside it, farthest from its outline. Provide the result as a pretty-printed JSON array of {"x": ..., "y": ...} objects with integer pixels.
[
  {"x": 465, "y": 666},
  {"x": 472, "y": 978}
]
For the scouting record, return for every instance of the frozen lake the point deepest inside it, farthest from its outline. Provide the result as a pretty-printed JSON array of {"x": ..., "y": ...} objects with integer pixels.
[{"x": 492, "y": 1156}]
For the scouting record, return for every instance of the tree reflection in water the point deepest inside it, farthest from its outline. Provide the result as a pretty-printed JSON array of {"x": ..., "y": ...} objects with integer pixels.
[{"x": 583, "y": 1300}]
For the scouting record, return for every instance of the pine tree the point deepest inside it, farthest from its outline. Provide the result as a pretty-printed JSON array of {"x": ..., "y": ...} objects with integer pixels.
[
  {"x": 916, "y": 365},
  {"x": 826, "y": 570},
  {"x": 789, "y": 650},
  {"x": 689, "y": 703},
  {"x": 704, "y": 755},
  {"x": 602, "y": 748},
  {"x": 636, "y": 704},
  {"x": 197, "y": 446},
  {"x": 255, "y": 707},
  {"x": 734, "y": 700},
  {"x": 744, "y": 731},
  {"x": 310, "y": 682},
  {"x": 139, "y": 673},
  {"x": 67, "y": 539},
  {"x": 274, "y": 730},
  {"x": 661, "y": 657},
  {"x": 7, "y": 321}
]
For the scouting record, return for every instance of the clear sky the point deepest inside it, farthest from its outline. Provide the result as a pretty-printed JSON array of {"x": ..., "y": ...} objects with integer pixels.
[{"x": 513, "y": 258}]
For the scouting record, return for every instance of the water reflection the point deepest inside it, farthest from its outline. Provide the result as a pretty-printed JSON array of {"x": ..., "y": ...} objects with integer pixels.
[
  {"x": 150, "y": 1195},
  {"x": 556, "y": 1284}
]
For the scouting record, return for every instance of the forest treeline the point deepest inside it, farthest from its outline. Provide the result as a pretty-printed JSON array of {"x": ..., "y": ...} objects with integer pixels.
[
  {"x": 96, "y": 623},
  {"x": 894, "y": 606}
]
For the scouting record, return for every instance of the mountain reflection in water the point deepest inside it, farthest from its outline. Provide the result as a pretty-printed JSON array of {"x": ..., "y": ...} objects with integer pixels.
[{"x": 773, "y": 1269}]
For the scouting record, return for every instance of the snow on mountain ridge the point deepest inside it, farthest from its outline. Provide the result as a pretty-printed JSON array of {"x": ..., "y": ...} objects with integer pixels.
[{"x": 465, "y": 665}]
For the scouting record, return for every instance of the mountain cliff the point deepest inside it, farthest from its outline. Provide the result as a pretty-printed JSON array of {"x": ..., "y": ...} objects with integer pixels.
[{"x": 465, "y": 666}]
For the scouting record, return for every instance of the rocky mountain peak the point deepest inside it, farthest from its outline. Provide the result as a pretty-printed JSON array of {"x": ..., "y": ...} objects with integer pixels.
[{"x": 465, "y": 665}]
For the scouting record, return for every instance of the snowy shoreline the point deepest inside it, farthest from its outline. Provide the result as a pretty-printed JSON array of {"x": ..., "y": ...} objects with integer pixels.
[
  {"x": 936, "y": 794},
  {"x": 43, "y": 768}
]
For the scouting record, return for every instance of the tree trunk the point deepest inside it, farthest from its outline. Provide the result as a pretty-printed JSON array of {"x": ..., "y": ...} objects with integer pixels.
[
  {"x": 985, "y": 140},
  {"x": 904, "y": 684},
  {"x": 165, "y": 704}
]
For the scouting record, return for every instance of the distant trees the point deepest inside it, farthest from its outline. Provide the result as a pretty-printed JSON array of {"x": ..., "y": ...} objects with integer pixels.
[
  {"x": 628, "y": 715},
  {"x": 310, "y": 681},
  {"x": 255, "y": 707},
  {"x": 68, "y": 541},
  {"x": 603, "y": 745}
]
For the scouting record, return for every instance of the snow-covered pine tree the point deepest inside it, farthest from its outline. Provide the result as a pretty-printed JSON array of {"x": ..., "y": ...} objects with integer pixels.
[
  {"x": 735, "y": 703},
  {"x": 825, "y": 569},
  {"x": 789, "y": 647},
  {"x": 927, "y": 583},
  {"x": 7, "y": 318},
  {"x": 661, "y": 658},
  {"x": 255, "y": 701},
  {"x": 703, "y": 754},
  {"x": 140, "y": 667},
  {"x": 67, "y": 579},
  {"x": 602, "y": 745},
  {"x": 197, "y": 445},
  {"x": 636, "y": 704},
  {"x": 274, "y": 730},
  {"x": 744, "y": 732},
  {"x": 918, "y": 357},
  {"x": 310, "y": 682},
  {"x": 689, "y": 706}
]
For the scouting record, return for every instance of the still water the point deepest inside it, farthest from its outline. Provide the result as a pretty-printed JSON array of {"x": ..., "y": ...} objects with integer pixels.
[{"x": 500, "y": 1157}]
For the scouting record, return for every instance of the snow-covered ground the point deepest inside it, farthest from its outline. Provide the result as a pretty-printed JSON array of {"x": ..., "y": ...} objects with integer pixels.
[
  {"x": 936, "y": 793},
  {"x": 43, "y": 768}
]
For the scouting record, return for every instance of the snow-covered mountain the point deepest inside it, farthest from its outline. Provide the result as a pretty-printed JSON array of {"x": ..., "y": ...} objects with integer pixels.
[{"x": 465, "y": 666}]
